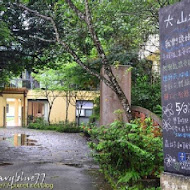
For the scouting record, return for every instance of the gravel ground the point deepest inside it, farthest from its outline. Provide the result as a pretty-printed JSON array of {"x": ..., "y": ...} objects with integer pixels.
[{"x": 64, "y": 158}]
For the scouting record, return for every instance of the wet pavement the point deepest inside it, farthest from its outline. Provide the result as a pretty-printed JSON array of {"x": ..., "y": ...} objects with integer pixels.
[{"x": 32, "y": 159}]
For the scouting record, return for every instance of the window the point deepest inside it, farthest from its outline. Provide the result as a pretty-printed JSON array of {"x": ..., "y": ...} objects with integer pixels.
[
  {"x": 83, "y": 120},
  {"x": 88, "y": 112},
  {"x": 84, "y": 110}
]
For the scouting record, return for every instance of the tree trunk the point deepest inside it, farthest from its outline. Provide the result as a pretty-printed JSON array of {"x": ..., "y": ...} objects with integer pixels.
[
  {"x": 50, "y": 108},
  {"x": 119, "y": 92},
  {"x": 107, "y": 68}
]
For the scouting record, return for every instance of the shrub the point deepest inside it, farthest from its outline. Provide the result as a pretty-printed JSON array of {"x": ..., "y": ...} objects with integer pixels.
[
  {"x": 69, "y": 129},
  {"x": 64, "y": 127},
  {"x": 38, "y": 124},
  {"x": 128, "y": 152},
  {"x": 146, "y": 93},
  {"x": 96, "y": 111}
]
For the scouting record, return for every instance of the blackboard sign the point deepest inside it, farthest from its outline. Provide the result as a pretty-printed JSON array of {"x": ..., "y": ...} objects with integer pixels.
[{"x": 175, "y": 74}]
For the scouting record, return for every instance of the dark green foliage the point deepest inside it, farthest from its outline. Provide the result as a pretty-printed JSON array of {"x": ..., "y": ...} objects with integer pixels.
[
  {"x": 145, "y": 93},
  {"x": 68, "y": 129},
  {"x": 19, "y": 50},
  {"x": 127, "y": 152},
  {"x": 158, "y": 110},
  {"x": 96, "y": 111},
  {"x": 117, "y": 23},
  {"x": 146, "y": 87}
]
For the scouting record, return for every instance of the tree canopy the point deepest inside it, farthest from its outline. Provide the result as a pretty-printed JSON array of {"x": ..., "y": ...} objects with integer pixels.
[{"x": 121, "y": 23}]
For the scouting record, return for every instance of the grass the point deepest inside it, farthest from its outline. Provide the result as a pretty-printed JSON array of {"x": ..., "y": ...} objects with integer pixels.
[{"x": 10, "y": 119}]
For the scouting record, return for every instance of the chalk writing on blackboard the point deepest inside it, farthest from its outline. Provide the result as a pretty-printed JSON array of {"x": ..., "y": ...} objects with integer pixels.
[
  {"x": 168, "y": 110},
  {"x": 172, "y": 67},
  {"x": 175, "y": 77},
  {"x": 182, "y": 107},
  {"x": 168, "y": 21},
  {"x": 183, "y": 161},
  {"x": 176, "y": 95},
  {"x": 176, "y": 54},
  {"x": 169, "y": 160},
  {"x": 166, "y": 124},
  {"x": 181, "y": 18},
  {"x": 176, "y": 85}
]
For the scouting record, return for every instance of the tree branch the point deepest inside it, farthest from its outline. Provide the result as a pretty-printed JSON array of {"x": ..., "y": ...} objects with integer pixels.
[
  {"x": 76, "y": 10},
  {"x": 42, "y": 16},
  {"x": 66, "y": 46},
  {"x": 112, "y": 83},
  {"x": 41, "y": 39},
  {"x": 94, "y": 35}
]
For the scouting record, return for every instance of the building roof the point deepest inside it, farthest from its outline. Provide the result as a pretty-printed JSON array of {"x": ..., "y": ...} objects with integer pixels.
[{"x": 12, "y": 90}]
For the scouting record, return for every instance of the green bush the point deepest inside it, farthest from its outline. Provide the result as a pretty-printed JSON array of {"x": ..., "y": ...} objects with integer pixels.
[
  {"x": 65, "y": 127},
  {"x": 96, "y": 111},
  {"x": 127, "y": 152},
  {"x": 38, "y": 124},
  {"x": 69, "y": 129},
  {"x": 158, "y": 110},
  {"x": 145, "y": 93}
]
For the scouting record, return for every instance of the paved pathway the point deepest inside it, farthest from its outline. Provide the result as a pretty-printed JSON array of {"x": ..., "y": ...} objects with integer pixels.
[{"x": 63, "y": 158}]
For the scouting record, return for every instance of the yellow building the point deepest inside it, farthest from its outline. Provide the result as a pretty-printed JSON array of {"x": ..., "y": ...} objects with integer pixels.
[{"x": 18, "y": 105}]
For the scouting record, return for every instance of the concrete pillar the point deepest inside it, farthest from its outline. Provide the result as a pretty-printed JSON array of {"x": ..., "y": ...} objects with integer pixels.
[
  {"x": 25, "y": 109},
  {"x": 1, "y": 112},
  {"x": 19, "y": 113},
  {"x": 170, "y": 181},
  {"x": 109, "y": 101},
  {"x": 46, "y": 110},
  {"x": 16, "y": 115}
]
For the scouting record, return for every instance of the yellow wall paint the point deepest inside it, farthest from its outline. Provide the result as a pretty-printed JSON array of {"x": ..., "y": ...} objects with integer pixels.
[
  {"x": 15, "y": 96},
  {"x": 58, "y": 112},
  {"x": 2, "y": 105}
]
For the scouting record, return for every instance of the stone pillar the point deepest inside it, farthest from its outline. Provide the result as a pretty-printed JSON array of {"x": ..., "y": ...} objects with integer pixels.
[
  {"x": 16, "y": 118},
  {"x": 109, "y": 101},
  {"x": 1, "y": 112},
  {"x": 171, "y": 181}
]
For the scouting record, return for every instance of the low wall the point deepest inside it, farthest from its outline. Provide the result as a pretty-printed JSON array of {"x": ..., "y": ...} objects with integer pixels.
[
  {"x": 140, "y": 112},
  {"x": 171, "y": 181}
]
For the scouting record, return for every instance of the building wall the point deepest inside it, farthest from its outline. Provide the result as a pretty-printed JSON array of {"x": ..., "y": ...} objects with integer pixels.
[
  {"x": 23, "y": 104},
  {"x": 2, "y": 105},
  {"x": 58, "y": 113}
]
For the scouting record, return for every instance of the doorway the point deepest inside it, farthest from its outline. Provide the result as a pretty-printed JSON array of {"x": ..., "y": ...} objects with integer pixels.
[
  {"x": 37, "y": 109},
  {"x": 13, "y": 112}
]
